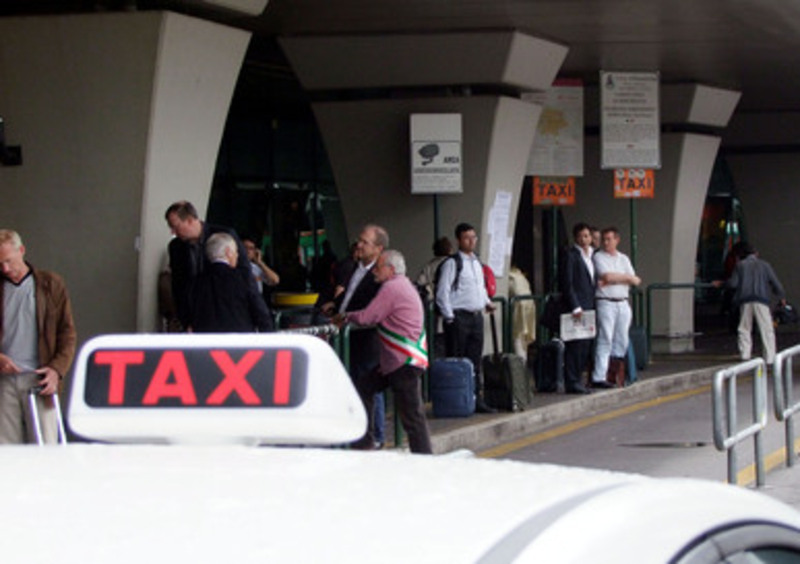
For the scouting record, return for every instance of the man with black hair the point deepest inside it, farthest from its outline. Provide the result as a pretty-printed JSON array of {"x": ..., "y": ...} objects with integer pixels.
[
  {"x": 462, "y": 298},
  {"x": 754, "y": 282},
  {"x": 577, "y": 287}
]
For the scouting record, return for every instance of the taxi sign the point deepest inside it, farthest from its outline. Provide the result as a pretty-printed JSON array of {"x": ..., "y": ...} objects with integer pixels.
[{"x": 250, "y": 388}]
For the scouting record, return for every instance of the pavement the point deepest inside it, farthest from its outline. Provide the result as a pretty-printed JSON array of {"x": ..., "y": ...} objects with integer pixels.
[{"x": 665, "y": 374}]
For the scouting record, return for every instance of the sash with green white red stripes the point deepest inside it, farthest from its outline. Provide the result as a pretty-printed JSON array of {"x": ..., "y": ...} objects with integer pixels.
[{"x": 416, "y": 352}]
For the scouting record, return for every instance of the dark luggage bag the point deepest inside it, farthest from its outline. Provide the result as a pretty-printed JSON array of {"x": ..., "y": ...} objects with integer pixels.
[
  {"x": 452, "y": 387},
  {"x": 548, "y": 366},
  {"x": 506, "y": 385},
  {"x": 638, "y": 340}
]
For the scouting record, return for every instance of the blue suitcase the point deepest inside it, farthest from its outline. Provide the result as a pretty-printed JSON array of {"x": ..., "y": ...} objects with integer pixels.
[{"x": 452, "y": 387}]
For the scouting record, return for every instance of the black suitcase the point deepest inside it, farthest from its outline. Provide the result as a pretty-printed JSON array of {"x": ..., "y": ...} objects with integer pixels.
[
  {"x": 506, "y": 385},
  {"x": 638, "y": 339},
  {"x": 548, "y": 366},
  {"x": 452, "y": 387}
]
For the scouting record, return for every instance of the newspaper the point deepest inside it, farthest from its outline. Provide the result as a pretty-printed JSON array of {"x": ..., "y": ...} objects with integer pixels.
[{"x": 584, "y": 327}]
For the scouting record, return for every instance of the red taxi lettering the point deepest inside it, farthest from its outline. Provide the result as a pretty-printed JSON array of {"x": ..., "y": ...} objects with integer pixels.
[
  {"x": 119, "y": 361},
  {"x": 172, "y": 363},
  {"x": 235, "y": 378},
  {"x": 283, "y": 377}
]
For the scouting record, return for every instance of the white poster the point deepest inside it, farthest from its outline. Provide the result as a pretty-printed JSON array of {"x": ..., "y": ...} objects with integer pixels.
[
  {"x": 497, "y": 227},
  {"x": 558, "y": 145},
  {"x": 436, "y": 154},
  {"x": 630, "y": 127}
]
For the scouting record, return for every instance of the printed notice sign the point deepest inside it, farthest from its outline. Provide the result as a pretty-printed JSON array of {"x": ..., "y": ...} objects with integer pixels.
[
  {"x": 436, "y": 154},
  {"x": 629, "y": 120}
]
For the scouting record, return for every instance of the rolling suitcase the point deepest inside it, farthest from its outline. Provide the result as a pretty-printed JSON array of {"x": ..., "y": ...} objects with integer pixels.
[
  {"x": 638, "y": 341},
  {"x": 36, "y": 422},
  {"x": 452, "y": 387},
  {"x": 505, "y": 379},
  {"x": 548, "y": 366}
]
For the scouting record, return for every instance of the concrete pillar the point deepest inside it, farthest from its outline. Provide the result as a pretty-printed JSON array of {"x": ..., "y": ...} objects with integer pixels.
[
  {"x": 367, "y": 87},
  {"x": 118, "y": 114}
]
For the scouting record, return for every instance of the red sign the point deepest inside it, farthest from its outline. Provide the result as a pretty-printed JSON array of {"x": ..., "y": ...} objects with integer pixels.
[
  {"x": 634, "y": 183},
  {"x": 196, "y": 378},
  {"x": 553, "y": 191}
]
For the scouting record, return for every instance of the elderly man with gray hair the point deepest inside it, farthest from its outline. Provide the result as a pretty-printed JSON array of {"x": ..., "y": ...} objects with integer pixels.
[
  {"x": 397, "y": 311},
  {"x": 223, "y": 302}
]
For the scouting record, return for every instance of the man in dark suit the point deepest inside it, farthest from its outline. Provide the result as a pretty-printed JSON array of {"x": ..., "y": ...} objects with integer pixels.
[
  {"x": 360, "y": 288},
  {"x": 187, "y": 258},
  {"x": 222, "y": 301},
  {"x": 577, "y": 287}
]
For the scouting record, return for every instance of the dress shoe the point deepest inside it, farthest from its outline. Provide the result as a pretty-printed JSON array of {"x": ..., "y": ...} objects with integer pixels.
[
  {"x": 578, "y": 389},
  {"x": 482, "y": 407},
  {"x": 602, "y": 385}
]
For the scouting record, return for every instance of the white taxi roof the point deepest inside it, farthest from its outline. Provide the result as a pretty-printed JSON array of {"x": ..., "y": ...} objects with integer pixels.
[
  {"x": 134, "y": 503},
  {"x": 139, "y": 503}
]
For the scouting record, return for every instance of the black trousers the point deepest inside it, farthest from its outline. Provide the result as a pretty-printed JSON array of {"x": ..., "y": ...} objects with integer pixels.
[
  {"x": 406, "y": 387},
  {"x": 464, "y": 338},
  {"x": 576, "y": 358}
]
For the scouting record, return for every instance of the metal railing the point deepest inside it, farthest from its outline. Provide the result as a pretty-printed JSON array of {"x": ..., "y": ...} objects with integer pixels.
[
  {"x": 665, "y": 286},
  {"x": 726, "y": 427},
  {"x": 783, "y": 402}
]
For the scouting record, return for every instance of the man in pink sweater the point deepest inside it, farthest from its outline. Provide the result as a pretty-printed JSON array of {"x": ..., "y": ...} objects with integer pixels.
[{"x": 397, "y": 312}]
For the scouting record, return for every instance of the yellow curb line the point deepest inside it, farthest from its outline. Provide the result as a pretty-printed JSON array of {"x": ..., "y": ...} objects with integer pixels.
[{"x": 562, "y": 430}]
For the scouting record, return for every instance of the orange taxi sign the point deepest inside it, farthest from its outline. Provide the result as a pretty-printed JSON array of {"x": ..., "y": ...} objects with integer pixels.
[
  {"x": 634, "y": 183},
  {"x": 553, "y": 191}
]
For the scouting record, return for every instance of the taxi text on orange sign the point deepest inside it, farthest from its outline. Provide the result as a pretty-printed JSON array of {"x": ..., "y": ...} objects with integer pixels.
[
  {"x": 553, "y": 191},
  {"x": 634, "y": 183}
]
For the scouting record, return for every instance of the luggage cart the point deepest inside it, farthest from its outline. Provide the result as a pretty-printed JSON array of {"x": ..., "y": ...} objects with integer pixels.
[{"x": 36, "y": 423}]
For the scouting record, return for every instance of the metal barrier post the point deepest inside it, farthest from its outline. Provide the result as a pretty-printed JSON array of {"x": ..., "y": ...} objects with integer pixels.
[
  {"x": 504, "y": 313},
  {"x": 726, "y": 433},
  {"x": 784, "y": 406}
]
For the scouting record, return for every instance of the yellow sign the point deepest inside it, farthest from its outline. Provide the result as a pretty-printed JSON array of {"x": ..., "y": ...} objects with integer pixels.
[
  {"x": 634, "y": 183},
  {"x": 553, "y": 191}
]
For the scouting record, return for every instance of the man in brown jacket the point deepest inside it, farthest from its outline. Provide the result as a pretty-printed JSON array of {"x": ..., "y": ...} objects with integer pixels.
[{"x": 37, "y": 341}]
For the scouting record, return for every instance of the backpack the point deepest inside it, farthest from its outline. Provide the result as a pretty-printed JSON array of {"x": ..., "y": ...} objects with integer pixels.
[{"x": 488, "y": 278}]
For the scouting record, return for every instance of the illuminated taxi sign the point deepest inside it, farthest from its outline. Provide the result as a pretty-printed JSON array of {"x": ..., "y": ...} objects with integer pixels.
[
  {"x": 196, "y": 378},
  {"x": 206, "y": 388}
]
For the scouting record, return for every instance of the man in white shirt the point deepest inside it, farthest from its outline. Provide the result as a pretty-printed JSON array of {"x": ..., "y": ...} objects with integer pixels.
[
  {"x": 614, "y": 275},
  {"x": 462, "y": 298}
]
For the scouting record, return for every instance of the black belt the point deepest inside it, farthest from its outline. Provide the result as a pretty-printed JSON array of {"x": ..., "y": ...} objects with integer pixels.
[
  {"x": 467, "y": 312},
  {"x": 613, "y": 299}
]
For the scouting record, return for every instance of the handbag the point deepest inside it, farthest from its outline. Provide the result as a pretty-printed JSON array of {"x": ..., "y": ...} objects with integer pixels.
[{"x": 785, "y": 313}]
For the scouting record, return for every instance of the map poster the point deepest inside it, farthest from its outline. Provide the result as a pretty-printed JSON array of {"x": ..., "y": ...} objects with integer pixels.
[
  {"x": 558, "y": 144},
  {"x": 630, "y": 128}
]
